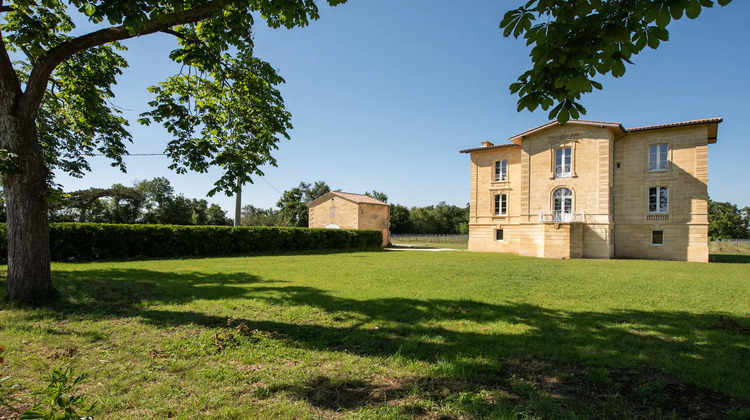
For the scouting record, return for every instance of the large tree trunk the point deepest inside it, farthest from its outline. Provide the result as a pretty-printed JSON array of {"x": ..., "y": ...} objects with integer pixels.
[{"x": 25, "y": 193}]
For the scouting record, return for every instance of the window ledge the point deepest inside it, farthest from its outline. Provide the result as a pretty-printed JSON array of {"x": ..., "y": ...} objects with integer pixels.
[{"x": 669, "y": 174}]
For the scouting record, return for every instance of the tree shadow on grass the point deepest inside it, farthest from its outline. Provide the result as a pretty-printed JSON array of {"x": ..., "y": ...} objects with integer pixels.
[
  {"x": 472, "y": 346},
  {"x": 125, "y": 292}
]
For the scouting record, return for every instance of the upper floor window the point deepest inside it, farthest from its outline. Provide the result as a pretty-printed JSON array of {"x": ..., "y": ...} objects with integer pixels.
[
  {"x": 501, "y": 205},
  {"x": 658, "y": 157},
  {"x": 658, "y": 200},
  {"x": 563, "y": 162},
  {"x": 501, "y": 170}
]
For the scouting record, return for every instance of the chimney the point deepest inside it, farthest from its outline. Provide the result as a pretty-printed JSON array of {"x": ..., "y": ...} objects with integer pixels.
[{"x": 487, "y": 144}]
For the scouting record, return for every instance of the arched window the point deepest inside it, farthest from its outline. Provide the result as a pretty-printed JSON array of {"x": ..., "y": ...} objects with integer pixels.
[{"x": 562, "y": 204}]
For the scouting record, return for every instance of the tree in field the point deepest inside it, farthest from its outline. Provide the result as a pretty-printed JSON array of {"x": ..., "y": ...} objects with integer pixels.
[
  {"x": 292, "y": 206},
  {"x": 293, "y": 203},
  {"x": 317, "y": 189},
  {"x": 442, "y": 219},
  {"x": 380, "y": 196},
  {"x": 574, "y": 41},
  {"x": 223, "y": 110},
  {"x": 253, "y": 216},
  {"x": 216, "y": 216},
  {"x": 727, "y": 221},
  {"x": 400, "y": 220}
]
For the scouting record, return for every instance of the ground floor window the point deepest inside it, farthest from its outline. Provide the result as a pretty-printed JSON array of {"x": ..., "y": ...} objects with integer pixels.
[
  {"x": 498, "y": 234},
  {"x": 657, "y": 237},
  {"x": 562, "y": 204}
]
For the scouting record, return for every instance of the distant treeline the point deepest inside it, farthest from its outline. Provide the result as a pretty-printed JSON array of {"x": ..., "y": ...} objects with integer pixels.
[{"x": 146, "y": 202}]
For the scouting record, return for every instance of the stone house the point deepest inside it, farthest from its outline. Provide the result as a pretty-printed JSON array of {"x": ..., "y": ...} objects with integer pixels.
[
  {"x": 594, "y": 189},
  {"x": 340, "y": 210}
]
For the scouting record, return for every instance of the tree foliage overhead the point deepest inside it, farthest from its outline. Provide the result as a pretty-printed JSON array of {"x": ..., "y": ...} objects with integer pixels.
[{"x": 574, "y": 41}]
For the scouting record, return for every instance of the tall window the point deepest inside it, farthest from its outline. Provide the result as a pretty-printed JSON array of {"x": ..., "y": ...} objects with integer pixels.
[
  {"x": 562, "y": 204},
  {"x": 658, "y": 157},
  {"x": 563, "y": 160},
  {"x": 501, "y": 170},
  {"x": 501, "y": 205},
  {"x": 658, "y": 200}
]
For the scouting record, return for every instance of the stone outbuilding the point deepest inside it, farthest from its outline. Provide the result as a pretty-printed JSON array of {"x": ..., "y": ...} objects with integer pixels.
[{"x": 340, "y": 210}]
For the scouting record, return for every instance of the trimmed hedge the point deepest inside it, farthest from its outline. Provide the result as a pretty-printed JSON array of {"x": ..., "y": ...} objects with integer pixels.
[{"x": 100, "y": 241}]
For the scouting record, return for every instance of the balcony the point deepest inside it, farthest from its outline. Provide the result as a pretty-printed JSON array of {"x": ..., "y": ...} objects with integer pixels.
[{"x": 561, "y": 217}]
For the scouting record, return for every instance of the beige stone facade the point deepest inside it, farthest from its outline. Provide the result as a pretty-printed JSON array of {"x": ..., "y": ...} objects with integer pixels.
[
  {"x": 339, "y": 210},
  {"x": 594, "y": 189}
]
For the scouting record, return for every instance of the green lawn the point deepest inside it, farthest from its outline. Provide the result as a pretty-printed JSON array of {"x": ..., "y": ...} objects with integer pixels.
[{"x": 393, "y": 334}]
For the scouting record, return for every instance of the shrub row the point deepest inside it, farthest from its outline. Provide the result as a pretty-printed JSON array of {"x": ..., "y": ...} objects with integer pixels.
[{"x": 100, "y": 241}]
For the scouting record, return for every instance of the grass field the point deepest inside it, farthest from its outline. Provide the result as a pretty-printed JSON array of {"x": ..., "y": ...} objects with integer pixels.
[{"x": 392, "y": 335}]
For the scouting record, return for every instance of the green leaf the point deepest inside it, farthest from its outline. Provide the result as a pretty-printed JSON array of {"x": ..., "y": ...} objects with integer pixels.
[
  {"x": 676, "y": 11},
  {"x": 663, "y": 18},
  {"x": 693, "y": 10},
  {"x": 563, "y": 116},
  {"x": 618, "y": 68},
  {"x": 89, "y": 9}
]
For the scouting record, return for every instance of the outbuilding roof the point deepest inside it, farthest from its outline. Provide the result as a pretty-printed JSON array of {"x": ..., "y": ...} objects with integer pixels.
[{"x": 354, "y": 198}]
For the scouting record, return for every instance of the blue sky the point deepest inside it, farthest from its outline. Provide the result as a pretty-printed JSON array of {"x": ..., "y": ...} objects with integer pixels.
[{"x": 384, "y": 93}]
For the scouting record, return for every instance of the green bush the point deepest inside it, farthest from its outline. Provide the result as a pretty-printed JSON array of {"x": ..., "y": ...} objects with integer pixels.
[{"x": 100, "y": 241}]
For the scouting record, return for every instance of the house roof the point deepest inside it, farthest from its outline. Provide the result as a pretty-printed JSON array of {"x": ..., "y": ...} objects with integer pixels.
[
  {"x": 678, "y": 124},
  {"x": 712, "y": 132},
  {"x": 496, "y": 146},
  {"x": 611, "y": 125},
  {"x": 354, "y": 198}
]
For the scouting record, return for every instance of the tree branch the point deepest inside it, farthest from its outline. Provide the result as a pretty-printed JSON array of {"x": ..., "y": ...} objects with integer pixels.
[
  {"x": 6, "y": 9},
  {"x": 8, "y": 77},
  {"x": 46, "y": 64},
  {"x": 175, "y": 33}
]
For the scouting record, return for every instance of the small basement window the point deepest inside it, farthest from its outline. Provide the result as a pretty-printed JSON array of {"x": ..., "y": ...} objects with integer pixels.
[
  {"x": 657, "y": 237},
  {"x": 498, "y": 234}
]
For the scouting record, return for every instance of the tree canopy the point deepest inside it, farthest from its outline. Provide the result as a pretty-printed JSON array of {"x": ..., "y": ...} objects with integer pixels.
[{"x": 574, "y": 41}]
